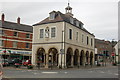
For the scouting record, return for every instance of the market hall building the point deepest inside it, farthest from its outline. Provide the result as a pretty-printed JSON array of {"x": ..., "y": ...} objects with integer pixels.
[
  {"x": 15, "y": 39},
  {"x": 60, "y": 40}
]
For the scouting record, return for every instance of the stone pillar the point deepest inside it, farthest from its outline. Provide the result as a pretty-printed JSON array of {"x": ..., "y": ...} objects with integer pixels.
[
  {"x": 44, "y": 60},
  {"x": 64, "y": 60},
  {"x": 72, "y": 58},
  {"x": 47, "y": 60},
  {"x": 56, "y": 59},
  {"x": 88, "y": 60},
  {"x": 78, "y": 63},
  {"x": 52, "y": 60},
  {"x": 84, "y": 61}
]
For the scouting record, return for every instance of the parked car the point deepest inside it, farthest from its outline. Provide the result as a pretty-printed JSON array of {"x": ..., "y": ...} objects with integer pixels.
[
  {"x": 27, "y": 62},
  {"x": 5, "y": 62}
]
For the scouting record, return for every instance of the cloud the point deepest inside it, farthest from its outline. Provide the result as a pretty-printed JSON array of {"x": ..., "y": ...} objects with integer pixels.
[{"x": 99, "y": 17}]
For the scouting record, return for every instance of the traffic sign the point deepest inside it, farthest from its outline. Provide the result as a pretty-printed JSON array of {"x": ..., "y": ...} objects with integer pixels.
[{"x": 61, "y": 51}]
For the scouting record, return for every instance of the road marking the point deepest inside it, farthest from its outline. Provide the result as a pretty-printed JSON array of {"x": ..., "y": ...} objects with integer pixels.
[
  {"x": 50, "y": 72},
  {"x": 23, "y": 71},
  {"x": 65, "y": 72},
  {"x": 102, "y": 72},
  {"x": 116, "y": 74},
  {"x": 90, "y": 71},
  {"x": 35, "y": 73}
]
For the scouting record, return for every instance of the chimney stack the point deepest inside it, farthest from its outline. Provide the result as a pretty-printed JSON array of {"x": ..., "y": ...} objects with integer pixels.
[
  {"x": 3, "y": 17},
  {"x": 18, "y": 20}
]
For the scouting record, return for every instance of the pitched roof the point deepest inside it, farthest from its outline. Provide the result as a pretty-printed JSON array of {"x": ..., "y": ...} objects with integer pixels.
[
  {"x": 60, "y": 17},
  {"x": 16, "y": 26}
]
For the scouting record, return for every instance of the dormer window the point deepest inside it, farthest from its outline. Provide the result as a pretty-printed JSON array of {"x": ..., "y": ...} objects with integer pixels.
[
  {"x": 71, "y": 20},
  {"x": 52, "y": 15},
  {"x": 81, "y": 26},
  {"x": 77, "y": 23}
]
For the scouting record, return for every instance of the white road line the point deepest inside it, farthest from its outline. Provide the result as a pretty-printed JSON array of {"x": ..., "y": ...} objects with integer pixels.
[
  {"x": 23, "y": 71},
  {"x": 90, "y": 71},
  {"x": 116, "y": 74},
  {"x": 65, "y": 72},
  {"x": 29, "y": 70},
  {"x": 50, "y": 72},
  {"x": 35, "y": 73},
  {"x": 102, "y": 72}
]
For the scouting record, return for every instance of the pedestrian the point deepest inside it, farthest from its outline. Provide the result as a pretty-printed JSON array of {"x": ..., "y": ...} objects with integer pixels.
[
  {"x": 1, "y": 71},
  {"x": 38, "y": 64},
  {"x": 1, "y": 68}
]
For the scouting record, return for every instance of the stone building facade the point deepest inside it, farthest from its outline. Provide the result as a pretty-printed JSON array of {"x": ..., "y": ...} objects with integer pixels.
[{"x": 61, "y": 40}]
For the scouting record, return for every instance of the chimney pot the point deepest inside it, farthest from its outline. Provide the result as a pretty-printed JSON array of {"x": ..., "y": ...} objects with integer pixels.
[
  {"x": 3, "y": 17},
  {"x": 18, "y": 20}
]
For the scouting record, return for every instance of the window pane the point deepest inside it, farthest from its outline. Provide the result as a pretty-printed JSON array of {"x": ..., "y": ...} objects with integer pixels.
[
  {"x": 27, "y": 45},
  {"x": 1, "y": 43},
  {"x": 1, "y": 32},
  {"x": 70, "y": 33},
  {"x": 82, "y": 38},
  {"x": 14, "y": 44},
  {"x": 41, "y": 33},
  {"x": 77, "y": 36},
  {"x": 53, "y": 32},
  {"x": 87, "y": 40},
  {"x": 71, "y": 20},
  {"x": 15, "y": 33},
  {"x": 27, "y": 35},
  {"x": 52, "y": 16},
  {"x": 91, "y": 41}
]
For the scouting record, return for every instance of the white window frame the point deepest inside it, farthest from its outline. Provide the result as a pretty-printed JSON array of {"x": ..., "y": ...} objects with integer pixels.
[
  {"x": 15, "y": 35},
  {"x": 82, "y": 38},
  {"x": 28, "y": 45},
  {"x": 71, "y": 20},
  {"x": 69, "y": 34},
  {"x": 77, "y": 23},
  {"x": 91, "y": 41},
  {"x": 14, "y": 44},
  {"x": 1, "y": 42},
  {"x": 41, "y": 35},
  {"x": 28, "y": 36},
  {"x": 77, "y": 36},
  {"x": 53, "y": 33},
  {"x": 52, "y": 16},
  {"x": 87, "y": 39}
]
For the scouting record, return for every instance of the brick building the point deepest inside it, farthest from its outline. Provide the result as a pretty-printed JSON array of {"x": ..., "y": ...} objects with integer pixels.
[
  {"x": 15, "y": 39},
  {"x": 104, "y": 48}
]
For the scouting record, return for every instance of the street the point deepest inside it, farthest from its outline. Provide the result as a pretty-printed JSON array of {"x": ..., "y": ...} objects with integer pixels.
[{"x": 101, "y": 72}]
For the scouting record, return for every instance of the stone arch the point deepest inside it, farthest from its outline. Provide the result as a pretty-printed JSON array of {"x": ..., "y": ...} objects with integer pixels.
[
  {"x": 82, "y": 57},
  {"x": 69, "y": 56},
  {"x": 76, "y": 55},
  {"x": 87, "y": 57},
  {"x": 53, "y": 56},
  {"x": 91, "y": 58},
  {"x": 40, "y": 56}
]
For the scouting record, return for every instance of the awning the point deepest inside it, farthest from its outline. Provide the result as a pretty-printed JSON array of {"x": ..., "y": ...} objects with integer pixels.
[
  {"x": 7, "y": 51},
  {"x": 103, "y": 54}
]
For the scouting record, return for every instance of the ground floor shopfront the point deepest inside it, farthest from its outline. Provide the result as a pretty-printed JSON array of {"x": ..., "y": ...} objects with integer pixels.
[
  {"x": 12, "y": 54},
  {"x": 47, "y": 55}
]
